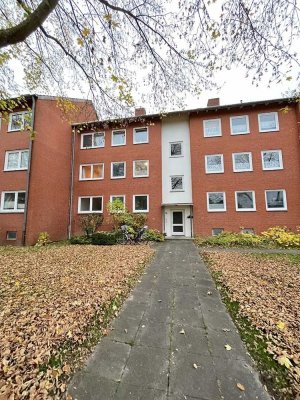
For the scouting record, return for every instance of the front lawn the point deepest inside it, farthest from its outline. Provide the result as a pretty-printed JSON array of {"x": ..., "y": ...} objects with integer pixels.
[
  {"x": 262, "y": 293},
  {"x": 54, "y": 301}
]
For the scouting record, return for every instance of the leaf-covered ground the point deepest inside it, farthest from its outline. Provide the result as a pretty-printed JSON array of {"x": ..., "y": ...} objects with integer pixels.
[
  {"x": 48, "y": 297},
  {"x": 267, "y": 288}
]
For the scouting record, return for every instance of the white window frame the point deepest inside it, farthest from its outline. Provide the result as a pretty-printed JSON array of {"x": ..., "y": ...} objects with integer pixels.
[
  {"x": 247, "y": 125},
  {"x": 112, "y": 137},
  {"x": 111, "y": 170},
  {"x": 280, "y": 160},
  {"x": 134, "y": 132},
  {"x": 245, "y": 209},
  {"x": 176, "y": 142},
  {"x": 133, "y": 203},
  {"x": 284, "y": 197},
  {"x": 9, "y": 129},
  {"x": 7, "y": 238},
  {"x": 276, "y": 120},
  {"x": 216, "y": 210},
  {"x": 91, "y": 202},
  {"x": 140, "y": 176},
  {"x": 91, "y": 147},
  {"x": 19, "y": 160},
  {"x": 118, "y": 195},
  {"x": 177, "y": 190},
  {"x": 92, "y": 170},
  {"x": 204, "y": 126},
  {"x": 214, "y": 172},
  {"x": 15, "y": 209},
  {"x": 250, "y": 162}
]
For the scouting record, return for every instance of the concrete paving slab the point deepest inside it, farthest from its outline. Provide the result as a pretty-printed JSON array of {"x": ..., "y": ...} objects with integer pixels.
[
  {"x": 89, "y": 387},
  {"x": 189, "y": 339},
  {"x": 153, "y": 334},
  {"x": 139, "y": 393}
]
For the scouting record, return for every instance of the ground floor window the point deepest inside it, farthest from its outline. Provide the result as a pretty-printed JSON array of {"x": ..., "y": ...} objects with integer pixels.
[
  {"x": 217, "y": 231},
  {"x": 141, "y": 203},
  {"x": 13, "y": 201},
  {"x": 276, "y": 200},
  {"x": 245, "y": 200},
  {"x": 216, "y": 201},
  {"x": 11, "y": 235},
  {"x": 89, "y": 204}
]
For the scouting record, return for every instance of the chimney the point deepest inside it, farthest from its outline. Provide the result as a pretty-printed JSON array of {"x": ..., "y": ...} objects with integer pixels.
[
  {"x": 138, "y": 112},
  {"x": 213, "y": 102}
]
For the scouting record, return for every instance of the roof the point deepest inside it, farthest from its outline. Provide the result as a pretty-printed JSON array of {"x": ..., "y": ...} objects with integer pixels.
[{"x": 283, "y": 100}]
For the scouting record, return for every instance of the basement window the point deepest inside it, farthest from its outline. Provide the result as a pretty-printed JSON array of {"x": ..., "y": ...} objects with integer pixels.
[{"x": 11, "y": 235}]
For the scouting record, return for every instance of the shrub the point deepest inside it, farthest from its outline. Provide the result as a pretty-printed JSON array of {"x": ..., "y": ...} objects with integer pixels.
[
  {"x": 43, "y": 239},
  {"x": 153, "y": 235},
  {"x": 282, "y": 237},
  {"x": 81, "y": 240},
  {"x": 90, "y": 223},
  {"x": 106, "y": 238}
]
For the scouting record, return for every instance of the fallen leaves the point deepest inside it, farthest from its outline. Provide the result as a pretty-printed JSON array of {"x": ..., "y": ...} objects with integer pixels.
[
  {"x": 195, "y": 366},
  {"x": 228, "y": 347},
  {"x": 241, "y": 387},
  {"x": 48, "y": 298},
  {"x": 267, "y": 290}
]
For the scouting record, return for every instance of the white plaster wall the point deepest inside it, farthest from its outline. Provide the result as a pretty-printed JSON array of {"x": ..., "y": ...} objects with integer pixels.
[{"x": 176, "y": 129}]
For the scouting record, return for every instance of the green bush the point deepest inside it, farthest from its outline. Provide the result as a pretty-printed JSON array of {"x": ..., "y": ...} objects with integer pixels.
[
  {"x": 90, "y": 223},
  {"x": 106, "y": 238},
  {"x": 280, "y": 236},
  {"x": 81, "y": 240},
  {"x": 153, "y": 235}
]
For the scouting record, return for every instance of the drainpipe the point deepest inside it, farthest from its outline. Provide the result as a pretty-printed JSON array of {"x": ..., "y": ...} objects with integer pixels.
[
  {"x": 71, "y": 186},
  {"x": 191, "y": 219},
  {"x": 28, "y": 174}
]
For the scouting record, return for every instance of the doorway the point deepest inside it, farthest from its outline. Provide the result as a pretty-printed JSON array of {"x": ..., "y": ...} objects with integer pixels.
[{"x": 178, "y": 223}]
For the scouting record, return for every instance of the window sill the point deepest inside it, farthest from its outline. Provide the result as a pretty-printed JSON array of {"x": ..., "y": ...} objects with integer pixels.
[
  {"x": 142, "y": 176},
  {"x": 243, "y": 170},
  {"x": 269, "y": 130},
  {"x": 11, "y": 211},
  {"x": 213, "y": 136},
  {"x": 141, "y": 142},
  {"x": 117, "y": 177},
  {"x": 215, "y": 172},
  {"x": 276, "y": 209},
  {"x": 240, "y": 133},
  {"x": 91, "y": 179},
  {"x": 211, "y": 211},
  {"x": 15, "y": 130},
  {"x": 141, "y": 211},
  {"x": 246, "y": 210},
  {"x": 272, "y": 169},
  {"x": 15, "y": 170},
  {"x": 176, "y": 156},
  {"x": 118, "y": 145},
  {"x": 91, "y": 148},
  {"x": 90, "y": 212}
]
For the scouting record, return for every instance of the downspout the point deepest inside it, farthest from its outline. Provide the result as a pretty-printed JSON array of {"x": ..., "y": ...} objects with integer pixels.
[
  {"x": 191, "y": 219},
  {"x": 28, "y": 174},
  {"x": 71, "y": 186}
]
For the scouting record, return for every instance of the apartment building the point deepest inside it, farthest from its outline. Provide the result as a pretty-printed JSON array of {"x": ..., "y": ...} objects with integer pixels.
[
  {"x": 35, "y": 174},
  {"x": 199, "y": 171}
]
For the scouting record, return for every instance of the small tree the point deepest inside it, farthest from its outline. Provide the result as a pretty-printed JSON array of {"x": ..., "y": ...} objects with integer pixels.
[
  {"x": 119, "y": 216},
  {"x": 90, "y": 223}
]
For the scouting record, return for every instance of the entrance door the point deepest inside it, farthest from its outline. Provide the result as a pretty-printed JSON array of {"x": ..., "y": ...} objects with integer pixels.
[{"x": 177, "y": 223}]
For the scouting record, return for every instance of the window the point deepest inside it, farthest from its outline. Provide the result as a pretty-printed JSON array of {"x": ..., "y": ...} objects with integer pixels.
[
  {"x": 19, "y": 121},
  {"x": 245, "y": 201},
  {"x": 140, "y": 168},
  {"x": 242, "y": 162},
  {"x": 239, "y": 125},
  {"x": 268, "y": 122},
  {"x": 13, "y": 201},
  {"x": 176, "y": 183},
  {"x": 212, "y": 127},
  {"x": 11, "y": 235},
  {"x": 118, "y": 138},
  {"x": 214, "y": 164},
  {"x": 271, "y": 159},
  {"x": 217, "y": 231},
  {"x": 140, "y": 135},
  {"x": 121, "y": 198},
  {"x": 141, "y": 203},
  {"x": 216, "y": 201},
  {"x": 118, "y": 170},
  {"x": 176, "y": 149},
  {"x": 91, "y": 204},
  {"x": 276, "y": 200},
  {"x": 92, "y": 140},
  {"x": 91, "y": 172},
  {"x": 16, "y": 160},
  {"x": 248, "y": 230}
]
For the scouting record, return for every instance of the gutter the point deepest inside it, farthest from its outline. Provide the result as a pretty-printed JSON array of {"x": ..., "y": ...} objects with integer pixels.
[
  {"x": 28, "y": 174},
  {"x": 71, "y": 185}
]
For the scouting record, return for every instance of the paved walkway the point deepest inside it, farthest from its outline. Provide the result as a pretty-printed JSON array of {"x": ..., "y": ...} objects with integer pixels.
[{"x": 168, "y": 341}]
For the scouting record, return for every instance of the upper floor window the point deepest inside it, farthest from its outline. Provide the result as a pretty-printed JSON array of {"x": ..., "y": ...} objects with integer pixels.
[
  {"x": 245, "y": 200},
  {"x": 268, "y": 122},
  {"x": 13, "y": 201},
  {"x": 140, "y": 135},
  {"x": 118, "y": 170},
  {"x": 140, "y": 168},
  {"x": 271, "y": 159},
  {"x": 242, "y": 162},
  {"x": 214, "y": 164},
  {"x": 212, "y": 127},
  {"x": 118, "y": 137},
  {"x": 90, "y": 204},
  {"x": 91, "y": 172},
  {"x": 239, "y": 125},
  {"x": 141, "y": 203},
  {"x": 16, "y": 160},
  {"x": 176, "y": 183},
  {"x": 19, "y": 121},
  {"x": 216, "y": 201},
  {"x": 276, "y": 200},
  {"x": 92, "y": 140},
  {"x": 176, "y": 149}
]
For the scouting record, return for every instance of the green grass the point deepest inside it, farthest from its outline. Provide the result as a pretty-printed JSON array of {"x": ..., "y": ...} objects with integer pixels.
[{"x": 274, "y": 376}]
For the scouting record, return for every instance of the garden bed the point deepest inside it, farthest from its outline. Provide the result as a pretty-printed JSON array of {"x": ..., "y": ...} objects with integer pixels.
[{"x": 54, "y": 301}]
